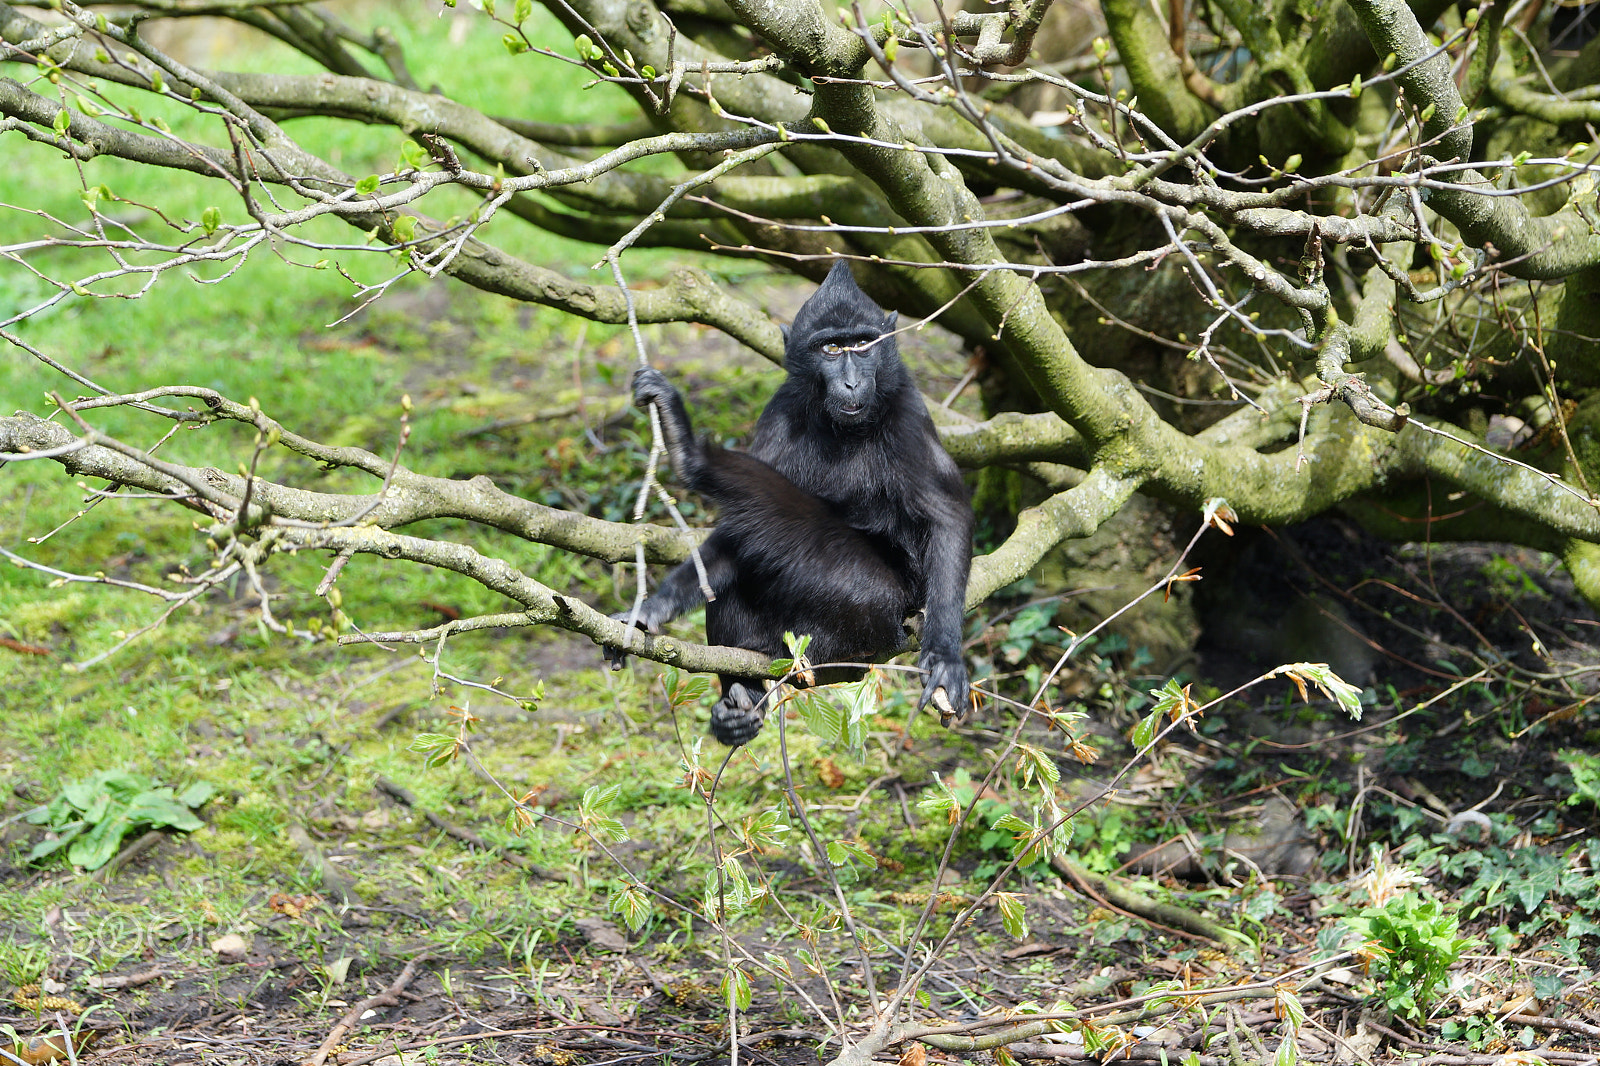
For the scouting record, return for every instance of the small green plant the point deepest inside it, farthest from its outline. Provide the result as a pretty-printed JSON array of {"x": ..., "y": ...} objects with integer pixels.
[
  {"x": 22, "y": 964},
  {"x": 1585, "y": 769},
  {"x": 1412, "y": 943},
  {"x": 90, "y": 818},
  {"x": 1476, "y": 1031}
]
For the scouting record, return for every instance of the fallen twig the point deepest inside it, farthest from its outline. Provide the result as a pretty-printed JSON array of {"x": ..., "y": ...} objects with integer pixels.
[
  {"x": 1137, "y": 1053},
  {"x": 1564, "y": 1024},
  {"x": 25, "y": 649},
  {"x": 389, "y": 997},
  {"x": 127, "y": 980}
]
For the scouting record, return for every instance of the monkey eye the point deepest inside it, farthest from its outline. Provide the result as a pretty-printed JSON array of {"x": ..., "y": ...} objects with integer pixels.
[{"x": 832, "y": 349}]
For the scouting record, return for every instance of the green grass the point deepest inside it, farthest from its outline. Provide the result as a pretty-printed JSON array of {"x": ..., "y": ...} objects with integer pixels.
[{"x": 274, "y": 722}]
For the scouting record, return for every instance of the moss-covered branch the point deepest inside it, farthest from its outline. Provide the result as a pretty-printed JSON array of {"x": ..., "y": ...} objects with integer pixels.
[{"x": 1553, "y": 246}]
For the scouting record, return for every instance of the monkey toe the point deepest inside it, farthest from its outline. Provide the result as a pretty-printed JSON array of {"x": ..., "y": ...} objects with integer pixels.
[{"x": 738, "y": 716}]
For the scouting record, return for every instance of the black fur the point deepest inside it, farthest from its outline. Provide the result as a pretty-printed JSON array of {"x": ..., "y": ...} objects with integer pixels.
[{"x": 844, "y": 516}]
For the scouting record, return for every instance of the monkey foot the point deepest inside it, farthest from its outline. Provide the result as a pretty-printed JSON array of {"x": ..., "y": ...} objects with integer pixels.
[{"x": 738, "y": 716}]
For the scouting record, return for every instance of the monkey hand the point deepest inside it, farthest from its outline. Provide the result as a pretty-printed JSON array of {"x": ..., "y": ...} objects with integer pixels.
[
  {"x": 945, "y": 686},
  {"x": 617, "y": 656},
  {"x": 651, "y": 386}
]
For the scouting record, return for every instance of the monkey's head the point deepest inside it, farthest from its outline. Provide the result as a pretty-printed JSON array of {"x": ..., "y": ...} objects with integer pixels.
[{"x": 841, "y": 345}]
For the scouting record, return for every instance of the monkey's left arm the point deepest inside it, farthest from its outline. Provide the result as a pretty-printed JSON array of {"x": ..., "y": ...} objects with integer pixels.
[{"x": 949, "y": 559}]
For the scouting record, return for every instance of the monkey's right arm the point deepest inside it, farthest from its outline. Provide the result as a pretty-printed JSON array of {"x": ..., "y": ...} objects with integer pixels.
[
  {"x": 686, "y": 454},
  {"x": 679, "y": 591}
]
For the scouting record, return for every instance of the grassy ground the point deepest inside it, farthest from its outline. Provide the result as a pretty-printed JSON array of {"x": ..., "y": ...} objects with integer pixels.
[{"x": 335, "y": 856}]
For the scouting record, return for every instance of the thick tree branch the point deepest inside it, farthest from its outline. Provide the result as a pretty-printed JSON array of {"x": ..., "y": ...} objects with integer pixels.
[{"x": 411, "y": 497}]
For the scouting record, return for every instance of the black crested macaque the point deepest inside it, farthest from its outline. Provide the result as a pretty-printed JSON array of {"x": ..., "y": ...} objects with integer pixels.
[{"x": 844, "y": 516}]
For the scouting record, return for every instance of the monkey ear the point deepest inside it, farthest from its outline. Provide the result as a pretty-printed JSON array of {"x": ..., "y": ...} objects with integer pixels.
[
  {"x": 785, "y": 331},
  {"x": 891, "y": 320}
]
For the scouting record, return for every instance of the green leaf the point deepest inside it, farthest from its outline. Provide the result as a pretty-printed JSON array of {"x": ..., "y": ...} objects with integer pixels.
[
  {"x": 1032, "y": 761},
  {"x": 61, "y": 122},
  {"x": 1331, "y": 685},
  {"x": 159, "y": 809},
  {"x": 765, "y": 830},
  {"x": 405, "y": 228},
  {"x": 95, "y": 848},
  {"x": 860, "y": 699},
  {"x": 1539, "y": 878},
  {"x": 825, "y": 719},
  {"x": 514, "y": 44},
  {"x": 413, "y": 155},
  {"x": 123, "y": 783},
  {"x": 1013, "y": 913},
  {"x": 83, "y": 794},
  {"x": 584, "y": 45},
  {"x": 196, "y": 794},
  {"x": 210, "y": 219},
  {"x": 436, "y": 748},
  {"x": 64, "y": 836},
  {"x": 682, "y": 690},
  {"x": 521, "y": 11},
  {"x": 632, "y": 902},
  {"x": 597, "y": 799},
  {"x": 1289, "y": 1008},
  {"x": 843, "y": 852},
  {"x": 607, "y": 829},
  {"x": 367, "y": 185},
  {"x": 736, "y": 988},
  {"x": 938, "y": 800},
  {"x": 1145, "y": 732}
]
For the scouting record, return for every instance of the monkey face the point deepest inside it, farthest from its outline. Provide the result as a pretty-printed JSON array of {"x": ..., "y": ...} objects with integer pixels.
[
  {"x": 843, "y": 344},
  {"x": 847, "y": 371}
]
